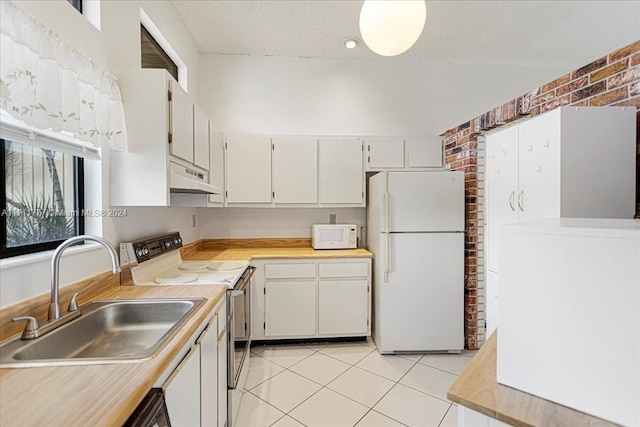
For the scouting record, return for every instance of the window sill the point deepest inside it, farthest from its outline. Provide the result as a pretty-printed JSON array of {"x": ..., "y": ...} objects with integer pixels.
[{"x": 21, "y": 260}]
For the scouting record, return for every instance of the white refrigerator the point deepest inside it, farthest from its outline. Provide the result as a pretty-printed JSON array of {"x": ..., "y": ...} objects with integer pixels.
[{"x": 415, "y": 229}]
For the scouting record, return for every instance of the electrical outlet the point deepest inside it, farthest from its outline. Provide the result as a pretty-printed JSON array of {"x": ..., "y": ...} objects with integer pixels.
[
  {"x": 193, "y": 220},
  {"x": 332, "y": 218}
]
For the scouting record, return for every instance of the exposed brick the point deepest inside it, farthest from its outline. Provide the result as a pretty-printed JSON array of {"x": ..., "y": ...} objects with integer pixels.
[
  {"x": 535, "y": 110},
  {"x": 610, "y": 97},
  {"x": 608, "y": 71},
  {"x": 558, "y": 102},
  {"x": 628, "y": 76},
  {"x": 554, "y": 84},
  {"x": 598, "y": 63},
  {"x": 625, "y": 51},
  {"x": 573, "y": 85},
  {"x": 634, "y": 60},
  {"x": 541, "y": 99},
  {"x": 634, "y": 89},
  {"x": 633, "y": 102},
  {"x": 589, "y": 91}
]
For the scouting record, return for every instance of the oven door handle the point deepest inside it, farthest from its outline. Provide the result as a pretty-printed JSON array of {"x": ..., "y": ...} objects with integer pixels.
[{"x": 242, "y": 285}]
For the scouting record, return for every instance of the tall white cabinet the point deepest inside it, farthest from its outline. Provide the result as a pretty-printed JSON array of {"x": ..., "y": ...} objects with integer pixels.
[{"x": 570, "y": 162}]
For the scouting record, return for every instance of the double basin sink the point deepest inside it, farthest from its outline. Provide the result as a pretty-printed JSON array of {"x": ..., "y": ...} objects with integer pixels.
[{"x": 107, "y": 332}]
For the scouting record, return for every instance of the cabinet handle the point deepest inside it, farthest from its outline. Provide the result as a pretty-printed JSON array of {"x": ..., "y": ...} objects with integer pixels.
[
  {"x": 512, "y": 196},
  {"x": 530, "y": 149},
  {"x": 547, "y": 143},
  {"x": 521, "y": 200}
]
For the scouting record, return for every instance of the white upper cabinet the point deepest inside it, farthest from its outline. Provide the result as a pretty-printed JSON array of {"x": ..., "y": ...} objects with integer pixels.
[
  {"x": 295, "y": 170},
  {"x": 341, "y": 171},
  {"x": 397, "y": 153},
  {"x": 248, "y": 169},
  {"x": 216, "y": 164},
  {"x": 200, "y": 139},
  {"x": 424, "y": 152},
  {"x": 160, "y": 137},
  {"x": 384, "y": 153},
  {"x": 181, "y": 113}
]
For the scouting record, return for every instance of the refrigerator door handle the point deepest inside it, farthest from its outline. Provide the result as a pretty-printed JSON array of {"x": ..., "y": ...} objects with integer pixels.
[
  {"x": 387, "y": 261},
  {"x": 386, "y": 211}
]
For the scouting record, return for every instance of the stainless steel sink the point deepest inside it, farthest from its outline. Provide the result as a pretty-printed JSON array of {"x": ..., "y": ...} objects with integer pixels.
[{"x": 107, "y": 332}]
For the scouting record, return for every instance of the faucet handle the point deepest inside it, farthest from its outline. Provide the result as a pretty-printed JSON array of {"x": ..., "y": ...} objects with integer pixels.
[
  {"x": 73, "y": 304},
  {"x": 31, "y": 328}
]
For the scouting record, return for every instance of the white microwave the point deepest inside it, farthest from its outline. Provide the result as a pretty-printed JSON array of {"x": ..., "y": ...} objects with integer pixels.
[{"x": 333, "y": 236}]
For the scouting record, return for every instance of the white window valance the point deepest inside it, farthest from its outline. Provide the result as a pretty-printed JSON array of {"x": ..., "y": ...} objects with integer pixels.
[{"x": 45, "y": 82}]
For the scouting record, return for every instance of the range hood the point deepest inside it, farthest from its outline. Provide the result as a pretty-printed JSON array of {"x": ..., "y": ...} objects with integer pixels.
[{"x": 186, "y": 180}]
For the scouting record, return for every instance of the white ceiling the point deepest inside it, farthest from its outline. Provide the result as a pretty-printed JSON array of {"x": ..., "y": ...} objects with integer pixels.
[{"x": 536, "y": 33}]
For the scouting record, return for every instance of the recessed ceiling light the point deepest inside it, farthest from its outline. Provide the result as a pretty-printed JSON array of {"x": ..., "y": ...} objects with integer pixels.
[{"x": 350, "y": 43}]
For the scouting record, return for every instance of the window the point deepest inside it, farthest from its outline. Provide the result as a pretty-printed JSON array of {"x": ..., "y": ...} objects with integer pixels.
[
  {"x": 153, "y": 56},
  {"x": 77, "y": 4},
  {"x": 41, "y": 197}
]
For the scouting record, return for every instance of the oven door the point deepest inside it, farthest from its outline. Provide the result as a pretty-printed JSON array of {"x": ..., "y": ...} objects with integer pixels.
[{"x": 239, "y": 326}]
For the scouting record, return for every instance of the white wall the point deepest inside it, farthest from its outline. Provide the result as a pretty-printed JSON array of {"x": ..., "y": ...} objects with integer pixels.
[
  {"x": 271, "y": 222},
  {"x": 283, "y": 95},
  {"x": 116, "y": 46}
]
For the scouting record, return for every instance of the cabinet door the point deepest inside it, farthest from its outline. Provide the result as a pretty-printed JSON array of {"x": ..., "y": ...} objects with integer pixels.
[
  {"x": 424, "y": 153},
  {"x": 341, "y": 171},
  {"x": 491, "y": 304},
  {"x": 181, "y": 112},
  {"x": 539, "y": 167},
  {"x": 216, "y": 163},
  {"x": 248, "y": 169},
  {"x": 343, "y": 307},
  {"x": 200, "y": 138},
  {"x": 501, "y": 188},
  {"x": 295, "y": 170},
  {"x": 182, "y": 391},
  {"x": 384, "y": 153},
  {"x": 209, "y": 374},
  {"x": 222, "y": 379},
  {"x": 290, "y": 308}
]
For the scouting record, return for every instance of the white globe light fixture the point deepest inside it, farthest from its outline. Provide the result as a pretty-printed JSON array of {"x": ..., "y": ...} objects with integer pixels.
[{"x": 391, "y": 27}]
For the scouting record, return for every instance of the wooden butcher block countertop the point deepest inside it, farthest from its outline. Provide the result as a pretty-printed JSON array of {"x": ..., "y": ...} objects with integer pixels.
[
  {"x": 97, "y": 395},
  {"x": 254, "y": 249},
  {"x": 477, "y": 388}
]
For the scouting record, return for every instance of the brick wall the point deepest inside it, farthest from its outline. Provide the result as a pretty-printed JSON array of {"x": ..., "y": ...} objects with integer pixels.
[{"x": 613, "y": 79}]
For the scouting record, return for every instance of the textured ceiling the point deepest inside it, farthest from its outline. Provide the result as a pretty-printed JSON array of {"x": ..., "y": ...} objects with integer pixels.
[{"x": 536, "y": 33}]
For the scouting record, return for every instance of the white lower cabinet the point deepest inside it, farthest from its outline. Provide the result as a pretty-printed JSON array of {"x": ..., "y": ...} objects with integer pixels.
[
  {"x": 208, "y": 342},
  {"x": 307, "y": 298},
  {"x": 195, "y": 384},
  {"x": 343, "y": 307},
  {"x": 290, "y": 308},
  {"x": 182, "y": 391},
  {"x": 222, "y": 372}
]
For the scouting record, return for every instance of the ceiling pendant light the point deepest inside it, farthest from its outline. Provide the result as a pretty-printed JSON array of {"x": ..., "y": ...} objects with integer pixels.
[{"x": 391, "y": 27}]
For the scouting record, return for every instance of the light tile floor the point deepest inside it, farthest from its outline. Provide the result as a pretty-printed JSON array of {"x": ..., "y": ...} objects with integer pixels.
[{"x": 347, "y": 385}]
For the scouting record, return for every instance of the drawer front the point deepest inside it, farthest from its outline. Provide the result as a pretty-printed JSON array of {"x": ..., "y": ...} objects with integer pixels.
[
  {"x": 290, "y": 271},
  {"x": 347, "y": 269}
]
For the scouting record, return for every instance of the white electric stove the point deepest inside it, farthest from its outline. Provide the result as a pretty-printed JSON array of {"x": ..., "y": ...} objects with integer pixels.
[{"x": 156, "y": 260}]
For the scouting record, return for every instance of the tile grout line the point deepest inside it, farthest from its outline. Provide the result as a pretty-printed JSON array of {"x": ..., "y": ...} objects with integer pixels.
[{"x": 445, "y": 415}]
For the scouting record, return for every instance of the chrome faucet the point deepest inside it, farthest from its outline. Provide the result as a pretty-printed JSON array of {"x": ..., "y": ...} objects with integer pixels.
[
  {"x": 54, "y": 306},
  {"x": 32, "y": 329}
]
